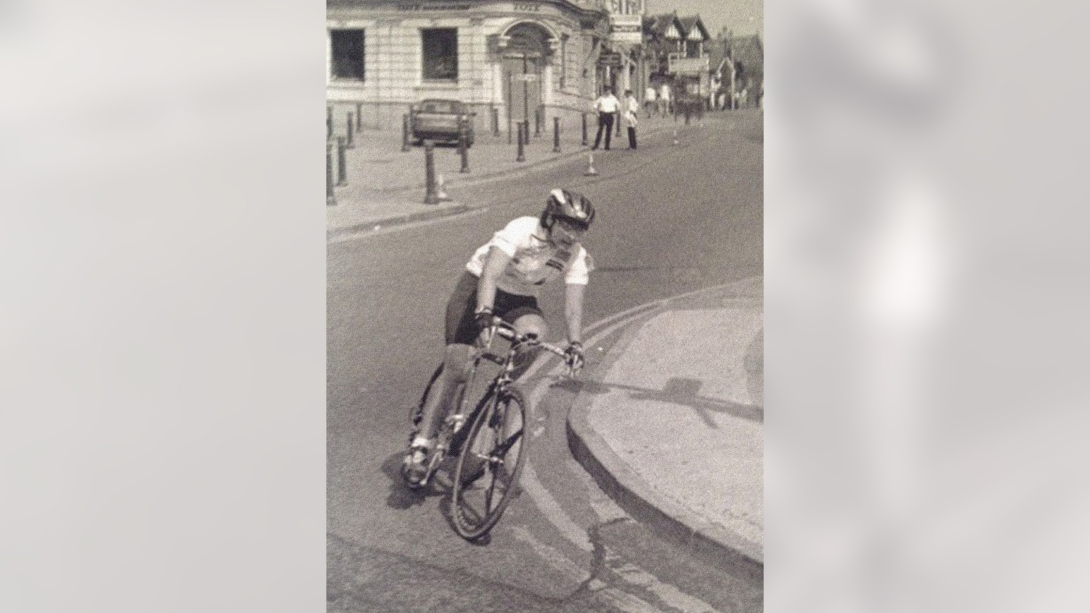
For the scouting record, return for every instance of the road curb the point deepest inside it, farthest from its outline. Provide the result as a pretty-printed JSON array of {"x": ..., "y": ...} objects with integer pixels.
[
  {"x": 517, "y": 171},
  {"x": 632, "y": 492},
  {"x": 638, "y": 499},
  {"x": 397, "y": 220}
]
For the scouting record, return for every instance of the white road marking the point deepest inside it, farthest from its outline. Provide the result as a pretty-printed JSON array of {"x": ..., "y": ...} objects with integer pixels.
[
  {"x": 669, "y": 594},
  {"x": 555, "y": 559},
  {"x": 553, "y": 511},
  {"x": 625, "y": 602}
]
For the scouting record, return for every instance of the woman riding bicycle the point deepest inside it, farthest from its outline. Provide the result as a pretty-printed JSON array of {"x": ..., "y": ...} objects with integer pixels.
[{"x": 502, "y": 280}]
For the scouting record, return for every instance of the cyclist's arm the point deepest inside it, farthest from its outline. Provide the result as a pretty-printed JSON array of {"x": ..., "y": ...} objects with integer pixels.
[
  {"x": 573, "y": 310},
  {"x": 494, "y": 264}
]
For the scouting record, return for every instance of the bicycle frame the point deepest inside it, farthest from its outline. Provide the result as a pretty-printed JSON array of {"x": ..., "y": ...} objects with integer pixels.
[{"x": 455, "y": 421}]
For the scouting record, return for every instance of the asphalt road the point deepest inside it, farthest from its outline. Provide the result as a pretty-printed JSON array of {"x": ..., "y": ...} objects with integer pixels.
[{"x": 671, "y": 219}]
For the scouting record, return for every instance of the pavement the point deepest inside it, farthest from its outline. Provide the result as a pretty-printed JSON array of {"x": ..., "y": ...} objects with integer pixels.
[
  {"x": 385, "y": 185},
  {"x": 670, "y": 422}
]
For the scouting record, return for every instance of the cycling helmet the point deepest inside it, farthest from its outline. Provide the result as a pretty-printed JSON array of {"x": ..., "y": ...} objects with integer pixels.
[{"x": 569, "y": 206}]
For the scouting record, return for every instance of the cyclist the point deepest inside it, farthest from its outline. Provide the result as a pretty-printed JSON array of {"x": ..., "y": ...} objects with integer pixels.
[{"x": 502, "y": 280}]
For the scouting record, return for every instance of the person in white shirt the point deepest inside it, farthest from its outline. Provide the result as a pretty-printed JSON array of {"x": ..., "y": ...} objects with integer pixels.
[
  {"x": 664, "y": 100},
  {"x": 649, "y": 101},
  {"x": 502, "y": 279},
  {"x": 631, "y": 107},
  {"x": 607, "y": 106}
]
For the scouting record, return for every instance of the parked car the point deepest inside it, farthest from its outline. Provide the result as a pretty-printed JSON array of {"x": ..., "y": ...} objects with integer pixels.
[{"x": 438, "y": 120}]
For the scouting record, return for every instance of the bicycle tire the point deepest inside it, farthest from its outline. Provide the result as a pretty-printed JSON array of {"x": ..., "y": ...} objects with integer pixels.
[{"x": 490, "y": 462}]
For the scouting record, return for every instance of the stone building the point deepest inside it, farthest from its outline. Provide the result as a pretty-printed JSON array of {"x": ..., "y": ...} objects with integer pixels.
[{"x": 507, "y": 58}]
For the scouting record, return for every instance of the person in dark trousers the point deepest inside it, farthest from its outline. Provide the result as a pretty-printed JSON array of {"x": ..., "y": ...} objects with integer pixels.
[
  {"x": 607, "y": 106},
  {"x": 631, "y": 107}
]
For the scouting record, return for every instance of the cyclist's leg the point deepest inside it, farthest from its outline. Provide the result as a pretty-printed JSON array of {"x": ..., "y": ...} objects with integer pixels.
[
  {"x": 435, "y": 406},
  {"x": 461, "y": 332},
  {"x": 530, "y": 323}
]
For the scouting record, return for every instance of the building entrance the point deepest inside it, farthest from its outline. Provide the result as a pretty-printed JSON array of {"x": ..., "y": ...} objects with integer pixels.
[{"x": 523, "y": 65}]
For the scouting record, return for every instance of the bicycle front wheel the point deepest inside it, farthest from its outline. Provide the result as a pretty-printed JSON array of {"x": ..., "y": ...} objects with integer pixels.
[{"x": 490, "y": 463}]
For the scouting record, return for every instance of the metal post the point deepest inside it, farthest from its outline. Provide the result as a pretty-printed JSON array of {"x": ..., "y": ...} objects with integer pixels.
[
  {"x": 618, "y": 122},
  {"x": 328, "y": 122},
  {"x": 539, "y": 120},
  {"x": 342, "y": 168},
  {"x": 351, "y": 144},
  {"x": 521, "y": 155},
  {"x": 584, "y": 129},
  {"x": 525, "y": 90},
  {"x": 405, "y": 132},
  {"x": 431, "y": 196},
  {"x": 359, "y": 116},
  {"x": 510, "y": 94},
  {"x": 463, "y": 146},
  {"x": 330, "y": 197},
  {"x": 556, "y": 135},
  {"x": 495, "y": 121}
]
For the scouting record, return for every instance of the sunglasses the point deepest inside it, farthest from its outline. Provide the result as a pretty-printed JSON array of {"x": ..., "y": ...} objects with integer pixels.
[{"x": 571, "y": 227}]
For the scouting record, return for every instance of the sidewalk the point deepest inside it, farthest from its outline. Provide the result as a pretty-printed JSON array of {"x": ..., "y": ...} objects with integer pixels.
[
  {"x": 386, "y": 185},
  {"x": 673, "y": 429}
]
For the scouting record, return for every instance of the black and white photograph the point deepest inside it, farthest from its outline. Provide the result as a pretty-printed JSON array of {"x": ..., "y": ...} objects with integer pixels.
[
  {"x": 518, "y": 360},
  {"x": 545, "y": 318}
]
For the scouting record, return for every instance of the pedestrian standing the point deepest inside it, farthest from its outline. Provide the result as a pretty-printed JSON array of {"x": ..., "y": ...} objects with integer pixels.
[
  {"x": 607, "y": 106},
  {"x": 650, "y": 101},
  {"x": 664, "y": 100},
  {"x": 631, "y": 107}
]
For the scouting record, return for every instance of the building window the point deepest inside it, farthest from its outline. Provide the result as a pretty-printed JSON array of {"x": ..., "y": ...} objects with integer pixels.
[
  {"x": 440, "y": 53},
  {"x": 347, "y": 54}
]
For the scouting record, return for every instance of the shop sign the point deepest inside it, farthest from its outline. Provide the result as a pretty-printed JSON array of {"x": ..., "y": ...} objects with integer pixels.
[
  {"x": 625, "y": 7},
  {"x": 431, "y": 6},
  {"x": 686, "y": 65},
  {"x": 610, "y": 59},
  {"x": 626, "y": 29},
  {"x": 528, "y": 77}
]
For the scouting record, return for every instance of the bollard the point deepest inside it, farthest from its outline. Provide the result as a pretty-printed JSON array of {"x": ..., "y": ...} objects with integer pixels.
[
  {"x": 539, "y": 120},
  {"x": 521, "y": 157},
  {"x": 351, "y": 144},
  {"x": 463, "y": 146},
  {"x": 330, "y": 197},
  {"x": 495, "y": 121},
  {"x": 359, "y": 116},
  {"x": 617, "y": 121},
  {"x": 584, "y": 129},
  {"x": 556, "y": 135},
  {"x": 509, "y": 126},
  {"x": 328, "y": 122},
  {"x": 405, "y": 132},
  {"x": 342, "y": 168},
  {"x": 431, "y": 196}
]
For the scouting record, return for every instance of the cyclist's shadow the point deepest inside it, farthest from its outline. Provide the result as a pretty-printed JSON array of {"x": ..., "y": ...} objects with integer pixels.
[{"x": 403, "y": 497}]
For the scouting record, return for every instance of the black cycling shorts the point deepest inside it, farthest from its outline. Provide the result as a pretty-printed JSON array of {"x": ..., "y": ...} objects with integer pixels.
[{"x": 461, "y": 324}]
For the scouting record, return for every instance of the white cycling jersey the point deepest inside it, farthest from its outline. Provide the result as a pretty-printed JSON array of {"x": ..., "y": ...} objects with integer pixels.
[{"x": 534, "y": 260}]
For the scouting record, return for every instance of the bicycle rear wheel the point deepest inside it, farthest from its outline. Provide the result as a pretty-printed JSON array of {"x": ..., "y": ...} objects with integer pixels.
[{"x": 490, "y": 463}]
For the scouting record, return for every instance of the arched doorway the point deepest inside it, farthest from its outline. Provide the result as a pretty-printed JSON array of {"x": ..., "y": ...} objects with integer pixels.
[{"x": 523, "y": 65}]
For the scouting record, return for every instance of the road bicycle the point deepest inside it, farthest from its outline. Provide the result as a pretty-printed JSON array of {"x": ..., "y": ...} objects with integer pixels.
[{"x": 485, "y": 432}]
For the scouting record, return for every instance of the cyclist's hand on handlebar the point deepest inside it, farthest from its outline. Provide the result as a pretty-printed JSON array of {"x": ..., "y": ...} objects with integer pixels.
[
  {"x": 483, "y": 318},
  {"x": 573, "y": 356}
]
